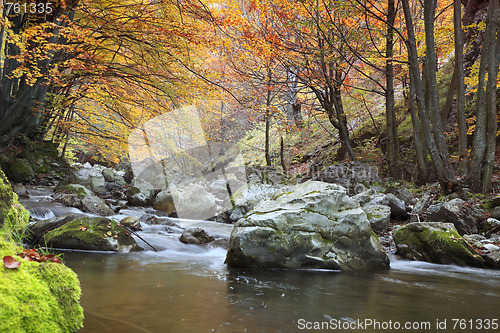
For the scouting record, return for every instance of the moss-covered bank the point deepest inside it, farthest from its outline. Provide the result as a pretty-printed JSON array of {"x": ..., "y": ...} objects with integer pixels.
[{"x": 35, "y": 297}]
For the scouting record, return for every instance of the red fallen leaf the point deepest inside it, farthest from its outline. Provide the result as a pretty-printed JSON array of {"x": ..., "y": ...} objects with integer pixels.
[
  {"x": 53, "y": 258},
  {"x": 10, "y": 262},
  {"x": 31, "y": 255}
]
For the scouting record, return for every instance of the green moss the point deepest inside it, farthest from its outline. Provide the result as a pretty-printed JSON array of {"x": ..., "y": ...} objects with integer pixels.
[
  {"x": 90, "y": 233},
  {"x": 14, "y": 217},
  {"x": 35, "y": 297},
  {"x": 20, "y": 170},
  {"x": 76, "y": 189},
  {"x": 435, "y": 244},
  {"x": 38, "y": 297}
]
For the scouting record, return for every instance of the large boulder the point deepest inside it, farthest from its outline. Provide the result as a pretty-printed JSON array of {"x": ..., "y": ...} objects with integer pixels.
[
  {"x": 194, "y": 202},
  {"x": 20, "y": 170},
  {"x": 464, "y": 216},
  {"x": 435, "y": 242},
  {"x": 141, "y": 193},
  {"x": 90, "y": 233},
  {"x": 313, "y": 225}
]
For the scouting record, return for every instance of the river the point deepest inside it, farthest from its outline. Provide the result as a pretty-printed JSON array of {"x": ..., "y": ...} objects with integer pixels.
[{"x": 188, "y": 288}]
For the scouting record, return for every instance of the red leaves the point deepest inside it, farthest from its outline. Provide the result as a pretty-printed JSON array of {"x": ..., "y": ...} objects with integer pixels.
[
  {"x": 33, "y": 255},
  {"x": 10, "y": 262}
]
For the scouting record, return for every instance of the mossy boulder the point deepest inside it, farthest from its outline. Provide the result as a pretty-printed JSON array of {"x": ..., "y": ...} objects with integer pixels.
[
  {"x": 20, "y": 170},
  {"x": 13, "y": 216},
  {"x": 38, "y": 297},
  {"x": 91, "y": 233},
  {"x": 435, "y": 242},
  {"x": 35, "y": 297},
  {"x": 312, "y": 225}
]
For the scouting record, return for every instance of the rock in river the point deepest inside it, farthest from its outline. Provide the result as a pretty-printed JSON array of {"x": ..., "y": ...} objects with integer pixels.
[
  {"x": 435, "y": 242},
  {"x": 314, "y": 225},
  {"x": 85, "y": 233}
]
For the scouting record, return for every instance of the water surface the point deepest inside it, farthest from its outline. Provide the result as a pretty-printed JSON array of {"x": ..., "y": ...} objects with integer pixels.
[{"x": 191, "y": 290}]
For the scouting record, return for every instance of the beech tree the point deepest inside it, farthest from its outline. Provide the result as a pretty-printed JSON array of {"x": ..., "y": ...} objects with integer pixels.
[
  {"x": 32, "y": 44},
  {"x": 483, "y": 145}
]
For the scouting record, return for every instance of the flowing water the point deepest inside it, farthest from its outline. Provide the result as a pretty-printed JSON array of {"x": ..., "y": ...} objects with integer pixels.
[{"x": 188, "y": 288}]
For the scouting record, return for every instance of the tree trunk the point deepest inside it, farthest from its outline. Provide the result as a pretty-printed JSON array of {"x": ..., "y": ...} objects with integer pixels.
[
  {"x": 282, "y": 155},
  {"x": 439, "y": 159},
  {"x": 342, "y": 121},
  {"x": 267, "y": 118},
  {"x": 459, "y": 70},
  {"x": 394, "y": 165},
  {"x": 483, "y": 144},
  {"x": 420, "y": 151}
]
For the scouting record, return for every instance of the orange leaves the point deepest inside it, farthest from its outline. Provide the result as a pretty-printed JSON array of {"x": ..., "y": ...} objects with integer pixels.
[
  {"x": 30, "y": 255},
  {"x": 33, "y": 255},
  {"x": 10, "y": 263}
]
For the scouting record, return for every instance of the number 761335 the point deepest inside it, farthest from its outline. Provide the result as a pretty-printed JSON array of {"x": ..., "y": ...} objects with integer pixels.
[{"x": 31, "y": 7}]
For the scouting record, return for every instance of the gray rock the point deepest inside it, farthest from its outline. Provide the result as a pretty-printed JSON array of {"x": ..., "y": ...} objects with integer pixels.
[
  {"x": 78, "y": 196},
  {"x": 465, "y": 217},
  {"x": 312, "y": 225},
  {"x": 112, "y": 176},
  {"x": 96, "y": 205},
  {"x": 379, "y": 216},
  {"x": 194, "y": 202},
  {"x": 495, "y": 213},
  {"x": 419, "y": 210},
  {"x": 435, "y": 242},
  {"x": 237, "y": 213},
  {"x": 164, "y": 202},
  {"x": 91, "y": 178},
  {"x": 371, "y": 197},
  {"x": 196, "y": 236},
  {"x": 398, "y": 207},
  {"x": 492, "y": 260},
  {"x": 141, "y": 193}
]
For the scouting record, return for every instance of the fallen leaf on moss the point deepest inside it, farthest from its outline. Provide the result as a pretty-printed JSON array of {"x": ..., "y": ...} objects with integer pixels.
[
  {"x": 53, "y": 258},
  {"x": 10, "y": 262},
  {"x": 30, "y": 255}
]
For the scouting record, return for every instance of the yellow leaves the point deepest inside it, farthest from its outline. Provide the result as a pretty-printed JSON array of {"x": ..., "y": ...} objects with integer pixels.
[{"x": 471, "y": 125}]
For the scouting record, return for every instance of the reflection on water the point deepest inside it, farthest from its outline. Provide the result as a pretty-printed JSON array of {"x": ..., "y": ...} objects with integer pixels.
[{"x": 195, "y": 292}]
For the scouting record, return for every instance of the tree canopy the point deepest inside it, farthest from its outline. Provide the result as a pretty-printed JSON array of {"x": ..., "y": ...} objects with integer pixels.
[{"x": 85, "y": 74}]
